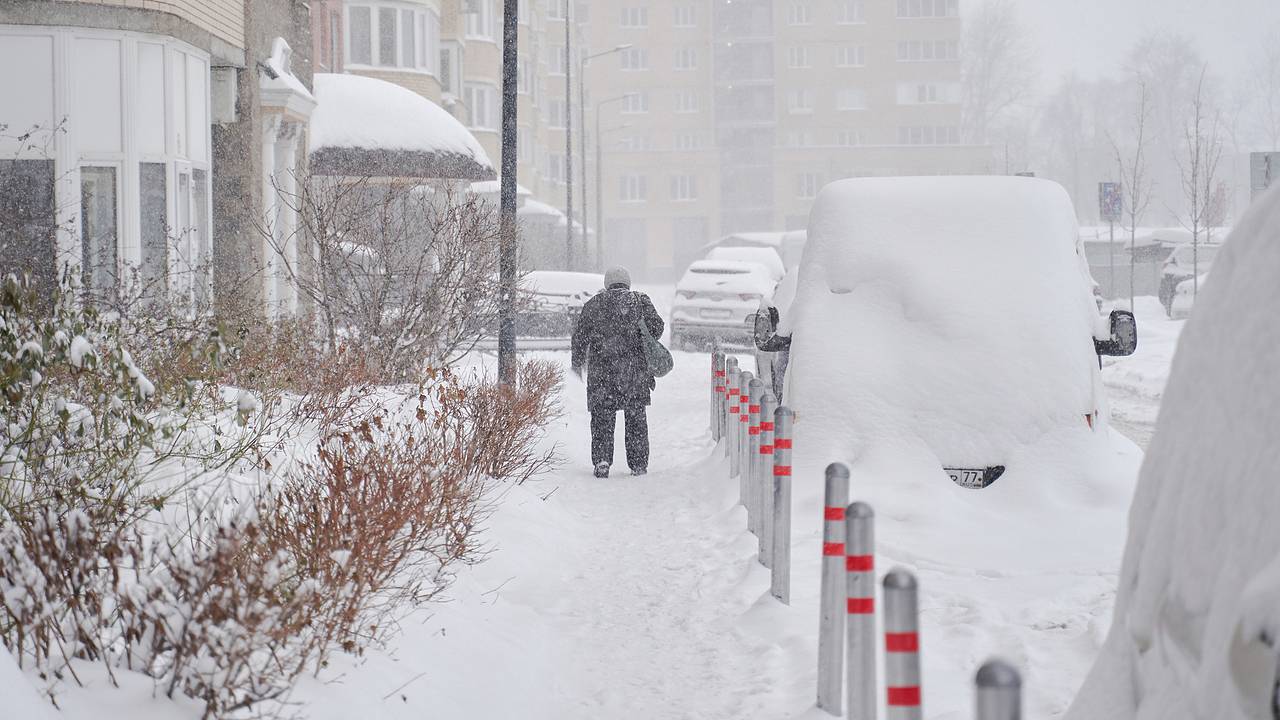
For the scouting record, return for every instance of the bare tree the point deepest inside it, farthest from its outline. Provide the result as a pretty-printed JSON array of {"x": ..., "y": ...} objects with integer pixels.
[
  {"x": 998, "y": 70},
  {"x": 402, "y": 271},
  {"x": 1198, "y": 165},
  {"x": 1135, "y": 181}
]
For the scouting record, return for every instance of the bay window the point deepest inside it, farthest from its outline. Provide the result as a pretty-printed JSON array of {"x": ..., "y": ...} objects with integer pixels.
[{"x": 393, "y": 35}]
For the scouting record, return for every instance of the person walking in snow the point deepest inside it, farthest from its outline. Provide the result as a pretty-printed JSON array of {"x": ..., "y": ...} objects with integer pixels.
[{"x": 607, "y": 341}]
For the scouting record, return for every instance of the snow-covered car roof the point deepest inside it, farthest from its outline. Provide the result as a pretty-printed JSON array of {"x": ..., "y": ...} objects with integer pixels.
[
  {"x": 727, "y": 276},
  {"x": 765, "y": 256},
  {"x": 948, "y": 315}
]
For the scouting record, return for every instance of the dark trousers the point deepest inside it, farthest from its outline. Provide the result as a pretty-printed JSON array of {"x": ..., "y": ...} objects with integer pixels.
[{"x": 637, "y": 437}]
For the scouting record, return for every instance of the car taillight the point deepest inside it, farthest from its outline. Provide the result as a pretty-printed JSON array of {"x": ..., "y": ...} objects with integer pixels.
[{"x": 750, "y": 296}]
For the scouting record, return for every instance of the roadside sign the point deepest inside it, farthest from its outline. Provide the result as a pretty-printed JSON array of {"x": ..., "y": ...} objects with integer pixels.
[
  {"x": 1110, "y": 201},
  {"x": 1264, "y": 168}
]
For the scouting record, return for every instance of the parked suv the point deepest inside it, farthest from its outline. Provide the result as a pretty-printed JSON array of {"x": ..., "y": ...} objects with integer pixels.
[{"x": 948, "y": 320}]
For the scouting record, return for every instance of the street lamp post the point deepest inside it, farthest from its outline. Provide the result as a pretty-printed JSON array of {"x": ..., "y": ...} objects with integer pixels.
[
  {"x": 507, "y": 200},
  {"x": 599, "y": 184},
  {"x": 582, "y": 135},
  {"x": 568, "y": 138}
]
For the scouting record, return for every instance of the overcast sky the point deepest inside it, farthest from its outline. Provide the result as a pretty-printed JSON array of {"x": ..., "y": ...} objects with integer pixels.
[{"x": 1093, "y": 36}]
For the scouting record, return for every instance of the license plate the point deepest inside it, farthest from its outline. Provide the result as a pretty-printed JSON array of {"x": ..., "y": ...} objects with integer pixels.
[
  {"x": 716, "y": 314},
  {"x": 974, "y": 478}
]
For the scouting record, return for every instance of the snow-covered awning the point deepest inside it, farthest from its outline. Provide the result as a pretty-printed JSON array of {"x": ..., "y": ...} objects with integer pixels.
[
  {"x": 368, "y": 127},
  {"x": 494, "y": 187}
]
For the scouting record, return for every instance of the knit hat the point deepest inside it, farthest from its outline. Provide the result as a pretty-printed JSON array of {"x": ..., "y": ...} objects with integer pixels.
[{"x": 617, "y": 276}]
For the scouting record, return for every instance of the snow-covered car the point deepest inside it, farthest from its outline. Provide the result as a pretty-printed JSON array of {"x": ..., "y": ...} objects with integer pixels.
[
  {"x": 766, "y": 256},
  {"x": 1181, "y": 265},
  {"x": 950, "y": 316},
  {"x": 551, "y": 301},
  {"x": 1185, "y": 296},
  {"x": 715, "y": 299}
]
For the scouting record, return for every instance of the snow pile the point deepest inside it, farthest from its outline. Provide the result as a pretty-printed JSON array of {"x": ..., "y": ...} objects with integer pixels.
[
  {"x": 766, "y": 256},
  {"x": 366, "y": 113},
  {"x": 1200, "y": 584},
  {"x": 20, "y": 697}
]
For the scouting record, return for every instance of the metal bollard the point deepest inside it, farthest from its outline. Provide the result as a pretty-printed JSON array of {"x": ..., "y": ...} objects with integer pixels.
[
  {"x": 780, "y": 578},
  {"x": 860, "y": 583},
  {"x": 999, "y": 691},
  {"x": 764, "y": 478},
  {"x": 750, "y": 460},
  {"x": 831, "y": 626},
  {"x": 902, "y": 646},
  {"x": 733, "y": 384},
  {"x": 744, "y": 404},
  {"x": 717, "y": 392}
]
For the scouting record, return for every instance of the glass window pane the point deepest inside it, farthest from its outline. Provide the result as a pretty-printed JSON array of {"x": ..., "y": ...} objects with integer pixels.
[
  {"x": 98, "y": 230},
  {"x": 28, "y": 223},
  {"x": 153, "y": 273},
  {"x": 386, "y": 36},
  {"x": 203, "y": 246},
  {"x": 360, "y": 29},
  {"x": 408, "y": 47}
]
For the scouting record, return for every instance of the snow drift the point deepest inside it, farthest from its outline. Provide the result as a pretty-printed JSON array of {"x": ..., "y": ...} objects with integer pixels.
[{"x": 1198, "y": 611}]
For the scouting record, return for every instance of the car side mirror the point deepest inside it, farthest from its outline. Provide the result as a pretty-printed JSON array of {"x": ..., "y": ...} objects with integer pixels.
[
  {"x": 765, "y": 331},
  {"x": 1124, "y": 335}
]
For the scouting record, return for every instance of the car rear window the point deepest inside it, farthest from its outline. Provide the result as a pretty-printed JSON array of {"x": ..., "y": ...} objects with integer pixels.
[{"x": 718, "y": 271}]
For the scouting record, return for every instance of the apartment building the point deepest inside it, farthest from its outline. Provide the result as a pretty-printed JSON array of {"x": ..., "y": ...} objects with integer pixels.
[{"x": 741, "y": 111}]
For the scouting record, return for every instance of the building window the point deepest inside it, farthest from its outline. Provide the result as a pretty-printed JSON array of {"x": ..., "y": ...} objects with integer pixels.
[
  {"x": 557, "y": 9},
  {"x": 99, "y": 230},
  {"x": 201, "y": 238},
  {"x": 928, "y": 50},
  {"x": 798, "y": 14},
  {"x": 851, "y": 99},
  {"x": 635, "y": 17},
  {"x": 686, "y": 16},
  {"x": 850, "y": 56},
  {"x": 557, "y": 59},
  {"x": 555, "y": 113},
  {"x": 555, "y": 168},
  {"x": 523, "y": 77},
  {"x": 798, "y": 138},
  {"x": 687, "y": 141},
  {"x": 800, "y": 101},
  {"x": 848, "y": 138},
  {"x": 686, "y": 101},
  {"x": 634, "y": 59},
  {"x": 929, "y": 135},
  {"x": 911, "y": 9},
  {"x": 154, "y": 240},
  {"x": 686, "y": 59},
  {"x": 635, "y": 103},
  {"x": 482, "y": 22},
  {"x": 798, "y": 57},
  {"x": 482, "y": 102},
  {"x": 633, "y": 143},
  {"x": 28, "y": 223},
  {"x": 394, "y": 37},
  {"x": 684, "y": 188},
  {"x": 359, "y": 34},
  {"x": 807, "y": 185},
  {"x": 929, "y": 93},
  {"x": 633, "y": 188},
  {"x": 850, "y": 12}
]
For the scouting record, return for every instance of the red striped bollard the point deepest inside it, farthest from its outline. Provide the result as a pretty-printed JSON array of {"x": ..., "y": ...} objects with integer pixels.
[
  {"x": 999, "y": 691},
  {"x": 831, "y": 625},
  {"x": 751, "y": 460},
  {"x": 733, "y": 384},
  {"x": 860, "y": 583},
  {"x": 764, "y": 478},
  {"x": 744, "y": 405},
  {"x": 780, "y": 578},
  {"x": 902, "y": 646},
  {"x": 717, "y": 392}
]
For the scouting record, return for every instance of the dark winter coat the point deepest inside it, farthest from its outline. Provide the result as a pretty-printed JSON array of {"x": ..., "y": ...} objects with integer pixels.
[{"x": 607, "y": 341}]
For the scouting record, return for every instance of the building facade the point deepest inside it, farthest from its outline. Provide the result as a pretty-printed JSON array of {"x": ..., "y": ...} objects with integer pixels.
[
  {"x": 144, "y": 143},
  {"x": 737, "y": 113}
]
